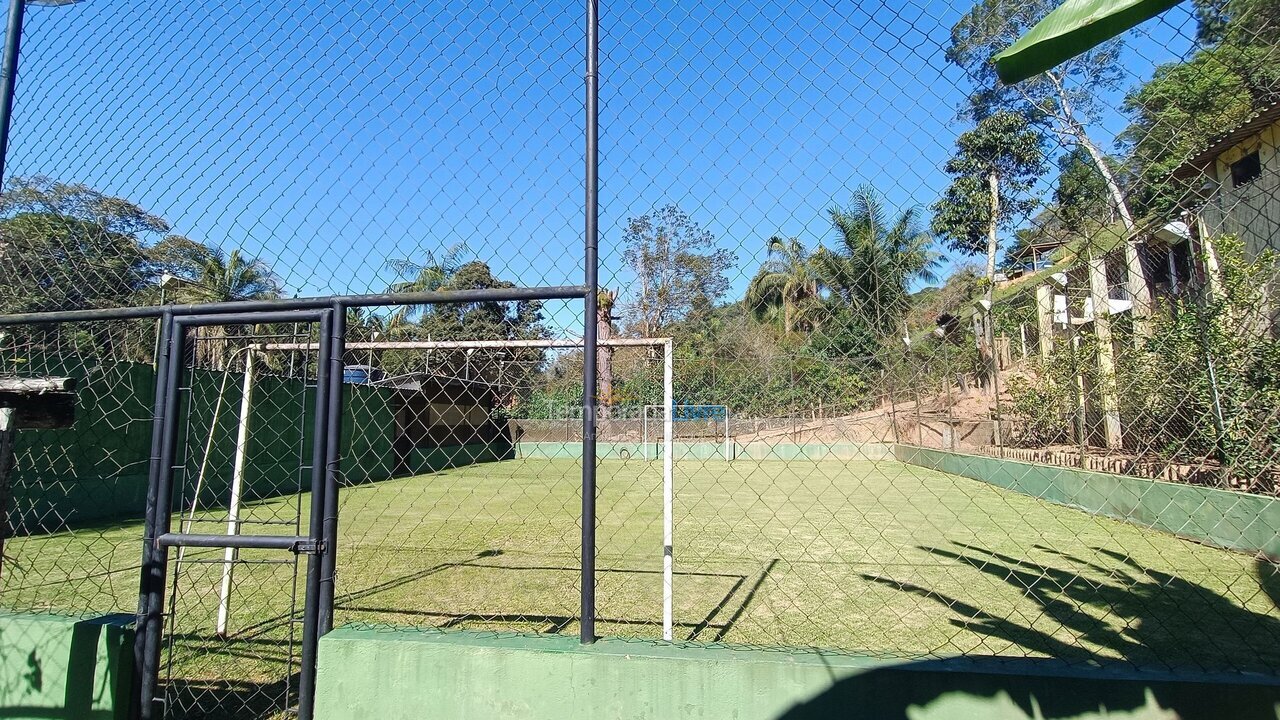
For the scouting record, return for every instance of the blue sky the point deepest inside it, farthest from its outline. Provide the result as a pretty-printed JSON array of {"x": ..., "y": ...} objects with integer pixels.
[{"x": 330, "y": 137}]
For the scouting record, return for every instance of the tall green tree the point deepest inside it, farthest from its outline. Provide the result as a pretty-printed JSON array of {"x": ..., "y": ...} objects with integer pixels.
[
  {"x": 876, "y": 259},
  {"x": 994, "y": 167},
  {"x": 678, "y": 268},
  {"x": 68, "y": 246},
  {"x": 786, "y": 288}
]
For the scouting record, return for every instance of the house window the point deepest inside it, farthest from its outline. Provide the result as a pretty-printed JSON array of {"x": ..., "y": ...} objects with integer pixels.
[{"x": 1246, "y": 169}]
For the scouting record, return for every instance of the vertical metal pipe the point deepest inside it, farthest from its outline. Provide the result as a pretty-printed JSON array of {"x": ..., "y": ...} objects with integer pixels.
[
  {"x": 149, "y": 532},
  {"x": 160, "y": 504},
  {"x": 9, "y": 76},
  {"x": 332, "y": 467},
  {"x": 311, "y": 601},
  {"x": 587, "y": 624}
]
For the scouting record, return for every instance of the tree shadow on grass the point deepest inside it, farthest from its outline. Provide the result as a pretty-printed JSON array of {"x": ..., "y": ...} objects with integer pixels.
[
  {"x": 1028, "y": 689},
  {"x": 1096, "y": 612}
]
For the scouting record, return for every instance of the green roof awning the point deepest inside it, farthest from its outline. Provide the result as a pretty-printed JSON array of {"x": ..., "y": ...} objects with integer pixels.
[{"x": 1072, "y": 28}]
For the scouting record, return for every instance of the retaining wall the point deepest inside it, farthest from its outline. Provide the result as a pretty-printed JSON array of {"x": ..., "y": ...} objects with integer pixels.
[
  {"x": 391, "y": 674},
  {"x": 1223, "y": 518}
]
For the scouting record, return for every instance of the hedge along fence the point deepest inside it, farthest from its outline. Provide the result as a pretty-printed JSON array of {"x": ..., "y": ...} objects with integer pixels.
[
  {"x": 96, "y": 470},
  {"x": 1222, "y": 518}
]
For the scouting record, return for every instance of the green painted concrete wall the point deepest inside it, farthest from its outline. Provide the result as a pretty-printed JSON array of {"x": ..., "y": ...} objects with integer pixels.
[
  {"x": 1226, "y": 519},
  {"x": 752, "y": 452},
  {"x": 57, "y": 666},
  {"x": 429, "y": 460},
  {"x": 96, "y": 470},
  {"x": 393, "y": 674}
]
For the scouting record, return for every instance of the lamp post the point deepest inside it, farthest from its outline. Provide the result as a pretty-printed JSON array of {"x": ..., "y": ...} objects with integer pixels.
[{"x": 9, "y": 68}]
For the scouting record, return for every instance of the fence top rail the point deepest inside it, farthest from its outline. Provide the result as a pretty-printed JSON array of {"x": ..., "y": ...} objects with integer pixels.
[
  {"x": 569, "y": 292},
  {"x": 473, "y": 344}
]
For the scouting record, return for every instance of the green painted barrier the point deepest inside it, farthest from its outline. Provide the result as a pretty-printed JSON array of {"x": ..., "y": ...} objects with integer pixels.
[
  {"x": 752, "y": 452},
  {"x": 429, "y": 460},
  {"x": 95, "y": 471},
  {"x": 57, "y": 666},
  {"x": 1222, "y": 518},
  {"x": 393, "y": 674}
]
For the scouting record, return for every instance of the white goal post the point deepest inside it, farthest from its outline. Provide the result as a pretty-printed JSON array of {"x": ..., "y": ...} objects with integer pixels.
[{"x": 668, "y": 456}]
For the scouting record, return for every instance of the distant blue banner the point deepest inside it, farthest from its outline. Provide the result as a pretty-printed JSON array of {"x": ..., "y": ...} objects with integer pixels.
[{"x": 699, "y": 412}]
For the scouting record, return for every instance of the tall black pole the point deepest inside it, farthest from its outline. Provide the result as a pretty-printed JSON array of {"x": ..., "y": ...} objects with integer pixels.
[
  {"x": 9, "y": 76},
  {"x": 315, "y": 527},
  {"x": 332, "y": 466},
  {"x": 160, "y": 505},
  {"x": 587, "y": 623},
  {"x": 146, "y": 584}
]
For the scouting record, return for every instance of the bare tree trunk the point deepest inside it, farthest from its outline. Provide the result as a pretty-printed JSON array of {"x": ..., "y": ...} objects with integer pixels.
[
  {"x": 604, "y": 353},
  {"x": 1135, "y": 274}
]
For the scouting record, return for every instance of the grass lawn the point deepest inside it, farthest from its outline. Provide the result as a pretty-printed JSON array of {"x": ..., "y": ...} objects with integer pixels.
[{"x": 870, "y": 557}]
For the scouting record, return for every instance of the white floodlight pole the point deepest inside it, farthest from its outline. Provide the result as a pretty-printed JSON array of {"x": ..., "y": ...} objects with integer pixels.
[
  {"x": 230, "y": 555},
  {"x": 668, "y": 492}
]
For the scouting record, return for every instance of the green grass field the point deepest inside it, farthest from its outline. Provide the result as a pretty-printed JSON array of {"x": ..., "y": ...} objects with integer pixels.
[{"x": 871, "y": 557}]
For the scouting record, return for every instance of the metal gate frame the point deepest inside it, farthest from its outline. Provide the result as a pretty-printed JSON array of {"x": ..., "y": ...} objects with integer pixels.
[{"x": 319, "y": 544}]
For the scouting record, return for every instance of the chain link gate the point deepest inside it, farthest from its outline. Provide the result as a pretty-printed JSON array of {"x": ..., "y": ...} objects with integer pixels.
[{"x": 253, "y": 670}]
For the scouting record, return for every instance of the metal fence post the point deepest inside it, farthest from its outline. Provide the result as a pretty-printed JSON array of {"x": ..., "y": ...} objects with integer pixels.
[
  {"x": 587, "y": 632},
  {"x": 155, "y": 558},
  {"x": 311, "y": 604}
]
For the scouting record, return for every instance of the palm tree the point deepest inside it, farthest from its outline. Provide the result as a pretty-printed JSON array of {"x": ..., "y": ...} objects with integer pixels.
[
  {"x": 208, "y": 274},
  {"x": 428, "y": 276},
  {"x": 876, "y": 261},
  {"x": 231, "y": 277},
  {"x": 787, "y": 287}
]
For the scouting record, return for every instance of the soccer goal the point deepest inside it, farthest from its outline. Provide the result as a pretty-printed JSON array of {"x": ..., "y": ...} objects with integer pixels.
[
  {"x": 467, "y": 363},
  {"x": 695, "y": 423}
]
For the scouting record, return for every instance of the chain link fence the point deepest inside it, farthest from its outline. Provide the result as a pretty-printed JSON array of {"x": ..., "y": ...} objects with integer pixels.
[{"x": 894, "y": 359}]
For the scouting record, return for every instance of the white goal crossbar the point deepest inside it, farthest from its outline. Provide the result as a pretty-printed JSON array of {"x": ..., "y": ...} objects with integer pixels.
[{"x": 668, "y": 400}]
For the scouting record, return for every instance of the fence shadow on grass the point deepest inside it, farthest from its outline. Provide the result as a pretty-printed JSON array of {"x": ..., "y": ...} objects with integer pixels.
[
  {"x": 230, "y": 700},
  {"x": 1168, "y": 623},
  {"x": 552, "y": 623}
]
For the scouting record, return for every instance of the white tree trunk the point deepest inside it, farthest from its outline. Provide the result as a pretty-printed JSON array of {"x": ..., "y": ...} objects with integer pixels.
[
  {"x": 986, "y": 343},
  {"x": 1136, "y": 276}
]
